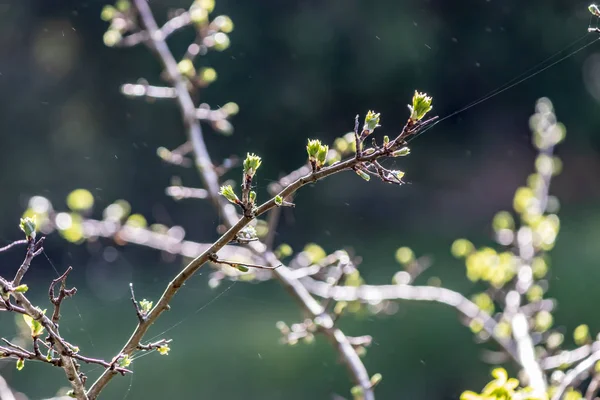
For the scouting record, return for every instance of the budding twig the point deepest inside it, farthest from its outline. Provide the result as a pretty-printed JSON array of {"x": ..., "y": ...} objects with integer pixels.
[{"x": 62, "y": 294}]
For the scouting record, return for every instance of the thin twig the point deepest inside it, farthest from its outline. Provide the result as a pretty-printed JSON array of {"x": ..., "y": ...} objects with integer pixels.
[
  {"x": 65, "y": 353},
  {"x": 236, "y": 264},
  {"x": 62, "y": 294},
  {"x": 26, "y": 263},
  {"x": 13, "y": 244},
  {"x": 138, "y": 310}
]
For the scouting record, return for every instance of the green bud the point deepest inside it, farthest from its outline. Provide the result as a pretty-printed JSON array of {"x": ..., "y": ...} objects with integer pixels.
[
  {"x": 108, "y": 13},
  {"x": 71, "y": 393},
  {"x": 28, "y": 227},
  {"x": 227, "y": 192},
  {"x": 125, "y": 361},
  {"x": 371, "y": 121},
  {"x": 198, "y": 15},
  {"x": 20, "y": 364},
  {"x": 375, "y": 379},
  {"x": 111, "y": 37},
  {"x": 386, "y": 140},
  {"x": 221, "y": 40},
  {"x": 594, "y": 10},
  {"x": 363, "y": 174},
  {"x": 123, "y": 5},
  {"x": 163, "y": 350},
  {"x": 284, "y": 250},
  {"x": 357, "y": 392},
  {"x": 240, "y": 267},
  {"x": 322, "y": 155},
  {"x": 36, "y": 326},
  {"x": 402, "y": 152},
  {"x": 223, "y": 23},
  {"x": 398, "y": 174},
  {"x": 251, "y": 164},
  {"x": 248, "y": 233},
  {"x": 421, "y": 105},
  {"x": 252, "y": 196},
  {"x": 146, "y": 306},
  {"x": 21, "y": 288},
  {"x": 231, "y": 108},
  {"x": 278, "y": 200},
  {"x": 312, "y": 148},
  {"x": 581, "y": 335},
  {"x": 186, "y": 68},
  {"x": 208, "y": 75}
]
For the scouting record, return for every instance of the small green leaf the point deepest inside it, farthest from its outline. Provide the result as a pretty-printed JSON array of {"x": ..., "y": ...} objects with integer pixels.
[
  {"x": 251, "y": 164},
  {"x": 223, "y": 23},
  {"x": 398, "y": 174},
  {"x": 227, "y": 192},
  {"x": 21, "y": 288},
  {"x": 240, "y": 267},
  {"x": 146, "y": 306},
  {"x": 402, "y": 152},
  {"x": 594, "y": 10},
  {"x": 386, "y": 140},
  {"x": 252, "y": 196},
  {"x": 278, "y": 200},
  {"x": 421, "y": 105},
  {"x": 322, "y": 155},
  {"x": 186, "y": 68},
  {"x": 581, "y": 335},
  {"x": 20, "y": 364},
  {"x": 371, "y": 122},
  {"x": 375, "y": 379},
  {"x": 312, "y": 148},
  {"x": 125, "y": 361},
  {"x": 357, "y": 392},
  {"x": 363, "y": 174},
  {"x": 36, "y": 326},
  {"x": 28, "y": 226},
  {"x": 108, "y": 13}
]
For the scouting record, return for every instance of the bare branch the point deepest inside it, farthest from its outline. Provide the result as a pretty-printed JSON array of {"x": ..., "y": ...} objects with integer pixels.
[
  {"x": 369, "y": 293},
  {"x": 576, "y": 374},
  {"x": 13, "y": 244}
]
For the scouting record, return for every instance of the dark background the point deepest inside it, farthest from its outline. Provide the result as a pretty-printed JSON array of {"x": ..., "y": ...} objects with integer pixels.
[{"x": 298, "y": 69}]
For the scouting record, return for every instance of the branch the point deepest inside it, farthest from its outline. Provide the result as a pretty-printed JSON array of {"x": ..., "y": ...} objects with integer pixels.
[
  {"x": 575, "y": 374},
  {"x": 156, "y": 41},
  {"x": 57, "y": 341},
  {"x": 32, "y": 247},
  {"x": 13, "y": 244},
  {"x": 62, "y": 294},
  {"x": 368, "y": 293},
  {"x": 5, "y": 392}
]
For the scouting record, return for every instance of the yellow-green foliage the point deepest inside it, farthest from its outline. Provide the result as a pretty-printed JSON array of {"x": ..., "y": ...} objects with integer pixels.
[{"x": 502, "y": 388}]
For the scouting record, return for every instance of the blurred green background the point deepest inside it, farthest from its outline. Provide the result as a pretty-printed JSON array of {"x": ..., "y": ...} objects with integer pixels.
[{"x": 297, "y": 69}]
